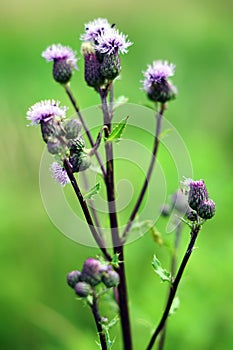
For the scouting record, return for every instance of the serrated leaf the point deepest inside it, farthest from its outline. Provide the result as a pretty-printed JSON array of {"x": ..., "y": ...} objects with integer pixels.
[
  {"x": 94, "y": 190},
  {"x": 175, "y": 305},
  {"x": 117, "y": 131},
  {"x": 121, "y": 100},
  {"x": 164, "y": 275}
]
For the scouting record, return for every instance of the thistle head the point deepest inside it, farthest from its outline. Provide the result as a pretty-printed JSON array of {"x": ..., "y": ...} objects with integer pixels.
[
  {"x": 156, "y": 83},
  {"x": 91, "y": 271},
  {"x": 59, "y": 173},
  {"x": 45, "y": 111},
  {"x": 64, "y": 62},
  {"x": 73, "y": 278}
]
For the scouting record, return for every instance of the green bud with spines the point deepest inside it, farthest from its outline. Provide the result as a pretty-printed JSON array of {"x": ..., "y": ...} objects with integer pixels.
[
  {"x": 110, "y": 67},
  {"x": 73, "y": 278}
]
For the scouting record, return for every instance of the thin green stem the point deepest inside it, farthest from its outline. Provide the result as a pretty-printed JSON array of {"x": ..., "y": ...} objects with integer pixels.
[
  {"x": 149, "y": 173},
  {"x": 194, "y": 233}
]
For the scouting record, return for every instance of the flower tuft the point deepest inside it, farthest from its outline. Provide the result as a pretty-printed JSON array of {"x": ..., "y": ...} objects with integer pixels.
[
  {"x": 58, "y": 52},
  {"x": 112, "y": 42},
  {"x": 156, "y": 72},
  {"x": 59, "y": 174},
  {"x": 45, "y": 111},
  {"x": 95, "y": 28}
]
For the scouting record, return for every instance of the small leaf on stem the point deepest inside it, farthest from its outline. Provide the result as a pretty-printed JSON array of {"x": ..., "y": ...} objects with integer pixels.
[
  {"x": 161, "y": 272},
  {"x": 117, "y": 131},
  {"x": 94, "y": 190}
]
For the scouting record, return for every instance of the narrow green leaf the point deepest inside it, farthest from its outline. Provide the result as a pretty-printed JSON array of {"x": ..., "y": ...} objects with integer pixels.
[
  {"x": 121, "y": 100},
  {"x": 161, "y": 272},
  {"x": 94, "y": 190},
  {"x": 117, "y": 131}
]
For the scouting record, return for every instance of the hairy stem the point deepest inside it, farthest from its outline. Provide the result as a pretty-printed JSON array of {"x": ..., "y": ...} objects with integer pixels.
[
  {"x": 173, "y": 271},
  {"x": 74, "y": 103},
  {"x": 85, "y": 210},
  {"x": 117, "y": 245},
  {"x": 149, "y": 173},
  {"x": 194, "y": 233},
  {"x": 95, "y": 312}
]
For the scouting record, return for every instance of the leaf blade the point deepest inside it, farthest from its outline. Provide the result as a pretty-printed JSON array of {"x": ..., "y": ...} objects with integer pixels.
[
  {"x": 93, "y": 191},
  {"x": 117, "y": 131}
]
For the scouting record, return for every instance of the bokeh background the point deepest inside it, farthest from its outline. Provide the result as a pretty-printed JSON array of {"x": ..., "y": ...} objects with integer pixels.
[{"x": 38, "y": 311}]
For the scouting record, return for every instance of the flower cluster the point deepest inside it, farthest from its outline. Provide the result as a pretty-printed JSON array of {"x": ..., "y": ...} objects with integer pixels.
[
  {"x": 198, "y": 199},
  {"x": 62, "y": 137},
  {"x": 93, "y": 273},
  {"x": 102, "y": 46},
  {"x": 156, "y": 83}
]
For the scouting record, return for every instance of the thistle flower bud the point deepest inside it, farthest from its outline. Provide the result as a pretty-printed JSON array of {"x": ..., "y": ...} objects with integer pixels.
[
  {"x": 91, "y": 272},
  {"x": 197, "y": 193},
  {"x": 62, "y": 71},
  {"x": 110, "y": 278},
  {"x": 110, "y": 67},
  {"x": 72, "y": 128},
  {"x": 156, "y": 84},
  {"x": 83, "y": 289},
  {"x": 73, "y": 278},
  {"x": 64, "y": 62},
  {"x": 93, "y": 76},
  {"x": 55, "y": 146},
  {"x": 79, "y": 158},
  {"x": 206, "y": 209},
  {"x": 192, "y": 215}
]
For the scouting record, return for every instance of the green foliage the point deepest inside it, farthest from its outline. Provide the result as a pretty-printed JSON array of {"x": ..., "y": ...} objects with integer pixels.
[
  {"x": 93, "y": 191},
  {"x": 164, "y": 275},
  {"x": 117, "y": 131}
]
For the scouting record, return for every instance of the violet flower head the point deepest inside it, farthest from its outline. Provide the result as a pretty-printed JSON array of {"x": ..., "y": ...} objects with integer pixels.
[
  {"x": 156, "y": 72},
  {"x": 57, "y": 52},
  {"x": 45, "y": 111},
  {"x": 95, "y": 28},
  {"x": 112, "y": 42},
  {"x": 59, "y": 174}
]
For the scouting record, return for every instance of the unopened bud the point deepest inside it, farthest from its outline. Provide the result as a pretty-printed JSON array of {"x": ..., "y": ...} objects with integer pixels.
[
  {"x": 197, "y": 193},
  {"x": 72, "y": 128},
  {"x": 73, "y": 278},
  {"x": 83, "y": 289},
  {"x": 91, "y": 272},
  {"x": 206, "y": 209},
  {"x": 110, "y": 278}
]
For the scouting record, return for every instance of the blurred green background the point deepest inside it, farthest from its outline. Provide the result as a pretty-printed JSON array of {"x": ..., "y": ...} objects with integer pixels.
[{"x": 38, "y": 311}]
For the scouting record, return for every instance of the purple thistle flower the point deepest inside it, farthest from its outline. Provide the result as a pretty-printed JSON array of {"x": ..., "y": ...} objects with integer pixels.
[
  {"x": 59, "y": 174},
  {"x": 156, "y": 72},
  {"x": 95, "y": 28},
  {"x": 45, "y": 111},
  {"x": 57, "y": 52},
  {"x": 112, "y": 42}
]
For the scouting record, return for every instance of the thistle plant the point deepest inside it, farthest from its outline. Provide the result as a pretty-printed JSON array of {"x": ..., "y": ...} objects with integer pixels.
[{"x": 73, "y": 146}]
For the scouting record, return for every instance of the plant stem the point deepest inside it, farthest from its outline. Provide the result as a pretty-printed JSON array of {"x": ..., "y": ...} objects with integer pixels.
[
  {"x": 85, "y": 210},
  {"x": 116, "y": 241},
  {"x": 173, "y": 271},
  {"x": 149, "y": 173},
  {"x": 95, "y": 311},
  {"x": 74, "y": 103},
  {"x": 194, "y": 233}
]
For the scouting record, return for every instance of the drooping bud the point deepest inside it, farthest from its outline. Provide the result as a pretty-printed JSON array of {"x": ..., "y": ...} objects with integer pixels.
[
  {"x": 91, "y": 271},
  {"x": 83, "y": 289},
  {"x": 73, "y": 278},
  {"x": 197, "y": 193},
  {"x": 72, "y": 128},
  {"x": 206, "y": 209},
  {"x": 110, "y": 278}
]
